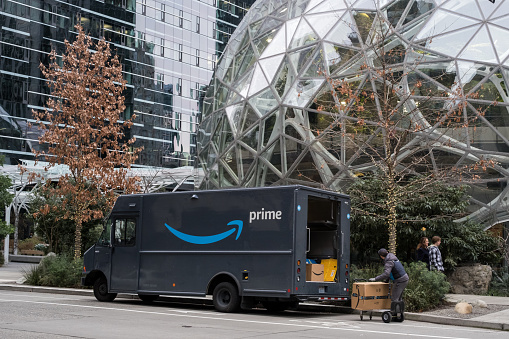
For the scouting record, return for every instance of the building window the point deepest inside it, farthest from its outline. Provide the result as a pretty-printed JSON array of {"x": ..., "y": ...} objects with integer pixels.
[
  {"x": 179, "y": 86},
  {"x": 122, "y": 35},
  {"x": 181, "y": 18},
  {"x": 197, "y": 90},
  {"x": 101, "y": 28},
  {"x": 162, "y": 47},
  {"x": 144, "y": 7},
  {"x": 163, "y": 12},
  {"x": 197, "y": 24},
  {"x": 180, "y": 52},
  {"x": 197, "y": 57}
]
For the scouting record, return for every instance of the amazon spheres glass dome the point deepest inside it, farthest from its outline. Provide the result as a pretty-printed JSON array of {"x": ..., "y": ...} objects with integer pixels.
[{"x": 260, "y": 112}]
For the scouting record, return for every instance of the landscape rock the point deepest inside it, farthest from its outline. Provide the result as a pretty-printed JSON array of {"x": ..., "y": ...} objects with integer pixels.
[
  {"x": 463, "y": 308},
  {"x": 479, "y": 303},
  {"x": 473, "y": 279}
]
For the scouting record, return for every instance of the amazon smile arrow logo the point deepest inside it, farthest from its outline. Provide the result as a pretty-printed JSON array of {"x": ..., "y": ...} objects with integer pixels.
[{"x": 207, "y": 239}]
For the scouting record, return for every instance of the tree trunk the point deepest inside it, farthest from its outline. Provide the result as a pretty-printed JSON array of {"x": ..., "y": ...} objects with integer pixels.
[
  {"x": 391, "y": 219},
  {"x": 77, "y": 239},
  {"x": 16, "y": 232}
]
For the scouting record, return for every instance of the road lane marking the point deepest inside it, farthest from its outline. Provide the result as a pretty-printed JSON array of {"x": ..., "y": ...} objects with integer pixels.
[{"x": 415, "y": 335}]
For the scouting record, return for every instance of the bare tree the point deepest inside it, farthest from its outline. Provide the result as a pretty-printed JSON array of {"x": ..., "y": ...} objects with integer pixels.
[{"x": 83, "y": 129}]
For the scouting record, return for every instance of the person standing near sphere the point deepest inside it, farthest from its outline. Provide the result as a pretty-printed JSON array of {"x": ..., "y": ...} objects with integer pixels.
[
  {"x": 423, "y": 251},
  {"x": 435, "y": 257}
]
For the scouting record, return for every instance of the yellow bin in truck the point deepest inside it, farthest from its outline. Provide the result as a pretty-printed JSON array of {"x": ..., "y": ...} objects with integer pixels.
[{"x": 330, "y": 267}]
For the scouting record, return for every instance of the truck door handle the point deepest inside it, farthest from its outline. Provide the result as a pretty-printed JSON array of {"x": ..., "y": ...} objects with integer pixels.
[
  {"x": 342, "y": 243},
  {"x": 309, "y": 240}
]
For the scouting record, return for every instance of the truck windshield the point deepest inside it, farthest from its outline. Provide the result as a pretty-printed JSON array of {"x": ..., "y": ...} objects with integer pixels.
[{"x": 105, "y": 238}]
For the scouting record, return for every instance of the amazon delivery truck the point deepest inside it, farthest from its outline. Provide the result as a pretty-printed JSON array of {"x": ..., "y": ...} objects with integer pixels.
[{"x": 274, "y": 246}]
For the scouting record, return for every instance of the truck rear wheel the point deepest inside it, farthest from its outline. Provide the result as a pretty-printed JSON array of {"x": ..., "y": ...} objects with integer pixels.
[
  {"x": 226, "y": 298},
  {"x": 101, "y": 290}
]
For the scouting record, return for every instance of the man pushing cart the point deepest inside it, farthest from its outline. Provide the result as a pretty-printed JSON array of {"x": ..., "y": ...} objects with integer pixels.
[{"x": 393, "y": 270}]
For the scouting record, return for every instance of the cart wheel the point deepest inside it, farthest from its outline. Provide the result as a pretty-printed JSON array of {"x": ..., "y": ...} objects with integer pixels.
[
  {"x": 387, "y": 316},
  {"x": 399, "y": 318}
]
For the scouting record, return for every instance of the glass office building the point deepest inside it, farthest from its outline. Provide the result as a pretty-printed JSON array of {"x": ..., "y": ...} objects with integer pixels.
[
  {"x": 262, "y": 113},
  {"x": 168, "y": 50}
]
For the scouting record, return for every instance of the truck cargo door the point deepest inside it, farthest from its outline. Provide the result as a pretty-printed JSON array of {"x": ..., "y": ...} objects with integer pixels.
[{"x": 124, "y": 256}]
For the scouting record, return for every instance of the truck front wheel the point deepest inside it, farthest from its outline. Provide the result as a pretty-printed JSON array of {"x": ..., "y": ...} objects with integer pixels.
[
  {"x": 101, "y": 290},
  {"x": 226, "y": 298}
]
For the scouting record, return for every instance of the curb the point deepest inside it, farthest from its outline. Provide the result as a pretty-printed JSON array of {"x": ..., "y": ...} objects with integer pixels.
[{"x": 302, "y": 307}]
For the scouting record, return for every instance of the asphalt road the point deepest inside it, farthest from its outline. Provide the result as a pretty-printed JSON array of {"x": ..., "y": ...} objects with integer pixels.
[{"x": 43, "y": 315}]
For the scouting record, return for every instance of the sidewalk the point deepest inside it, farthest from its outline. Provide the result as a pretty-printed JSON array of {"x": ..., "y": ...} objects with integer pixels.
[{"x": 11, "y": 278}]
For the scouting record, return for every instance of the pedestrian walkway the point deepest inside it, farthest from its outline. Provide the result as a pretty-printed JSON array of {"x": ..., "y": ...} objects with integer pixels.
[{"x": 12, "y": 274}]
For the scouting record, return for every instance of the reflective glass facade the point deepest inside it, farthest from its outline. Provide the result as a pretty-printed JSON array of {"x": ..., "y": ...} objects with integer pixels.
[
  {"x": 168, "y": 51},
  {"x": 260, "y": 110}
]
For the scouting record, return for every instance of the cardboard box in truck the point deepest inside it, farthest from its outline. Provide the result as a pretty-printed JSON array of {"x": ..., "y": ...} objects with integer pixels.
[{"x": 242, "y": 246}]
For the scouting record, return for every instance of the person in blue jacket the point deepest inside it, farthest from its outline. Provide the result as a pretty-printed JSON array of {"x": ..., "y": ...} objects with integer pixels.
[{"x": 392, "y": 266}]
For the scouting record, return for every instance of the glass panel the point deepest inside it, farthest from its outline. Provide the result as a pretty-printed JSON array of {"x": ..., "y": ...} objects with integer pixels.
[
  {"x": 500, "y": 41},
  {"x": 304, "y": 35},
  {"x": 258, "y": 81},
  {"x": 480, "y": 48},
  {"x": 316, "y": 67},
  {"x": 243, "y": 84},
  {"x": 277, "y": 45},
  {"x": 487, "y": 7},
  {"x": 503, "y": 9},
  {"x": 284, "y": 79},
  {"x": 246, "y": 162},
  {"x": 270, "y": 24},
  {"x": 300, "y": 58},
  {"x": 302, "y": 92},
  {"x": 221, "y": 95},
  {"x": 329, "y": 6},
  {"x": 248, "y": 61},
  {"x": 271, "y": 65},
  {"x": 312, "y": 4},
  {"x": 395, "y": 11},
  {"x": 443, "y": 22},
  {"x": 468, "y": 8},
  {"x": 337, "y": 56},
  {"x": 322, "y": 23},
  {"x": 273, "y": 155},
  {"x": 281, "y": 12},
  {"x": 250, "y": 118},
  {"x": 371, "y": 4},
  {"x": 125, "y": 232},
  {"x": 364, "y": 22},
  {"x": 234, "y": 113},
  {"x": 105, "y": 238},
  {"x": 498, "y": 115},
  {"x": 254, "y": 27},
  {"x": 226, "y": 178},
  {"x": 262, "y": 42},
  {"x": 451, "y": 44},
  {"x": 251, "y": 138},
  {"x": 270, "y": 131},
  {"x": 344, "y": 33},
  {"x": 297, "y": 7},
  {"x": 305, "y": 169},
  {"x": 264, "y": 102},
  {"x": 419, "y": 7}
]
